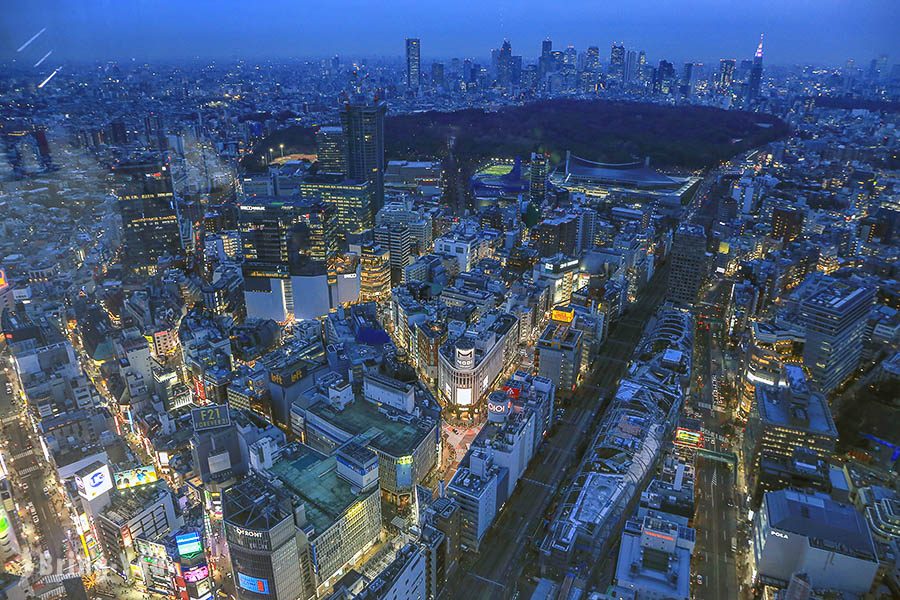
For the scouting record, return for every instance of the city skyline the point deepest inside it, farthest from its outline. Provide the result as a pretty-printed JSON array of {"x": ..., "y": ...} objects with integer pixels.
[{"x": 820, "y": 33}]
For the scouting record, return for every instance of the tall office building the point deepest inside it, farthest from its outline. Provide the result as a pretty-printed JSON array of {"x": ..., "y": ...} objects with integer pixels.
[
  {"x": 631, "y": 66},
  {"x": 835, "y": 319},
  {"x": 397, "y": 239},
  {"x": 787, "y": 223},
  {"x": 686, "y": 87},
  {"x": 689, "y": 264},
  {"x": 726, "y": 75},
  {"x": 437, "y": 74},
  {"x": 413, "y": 63},
  {"x": 756, "y": 72},
  {"x": 352, "y": 201},
  {"x": 504, "y": 64},
  {"x": 617, "y": 63},
  {"x": 331, "y": 150},
  {"x": 363, "y": 125},
  {"x": 146, "y": 201},
  {"x": 665, "y": 78},
  {"x": 538, "y": 171},
  {"x": 592, "y": 59},
  {"x": 288, "y": 247},
  {"x": 261, "y": 528},
  {"x": 545, "y": 64},
  {"x": 375, "y": 273}
]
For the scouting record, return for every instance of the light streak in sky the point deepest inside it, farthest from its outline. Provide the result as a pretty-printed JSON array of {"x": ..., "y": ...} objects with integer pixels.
[
  {"x": 38, "y": 63},
  {"x": 34, "y": 37},
  {"x": 49, "y": 77}
]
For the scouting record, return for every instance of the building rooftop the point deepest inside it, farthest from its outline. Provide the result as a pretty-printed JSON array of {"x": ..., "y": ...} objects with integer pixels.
[
  {"x": 828, "y": 524},
  {"x": 313, "y": 477},
  {"x": 384, "y": 428}
]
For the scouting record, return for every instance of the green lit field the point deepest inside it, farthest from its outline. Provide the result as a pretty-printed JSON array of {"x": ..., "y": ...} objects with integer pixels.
[{"x": 496, "y": 170}]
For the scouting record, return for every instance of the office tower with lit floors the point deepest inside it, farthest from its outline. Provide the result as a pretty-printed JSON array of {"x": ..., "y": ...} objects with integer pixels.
[
  {"x": 755, "y": 79},
  {"x": 150, "y": 223},
  {"x": 288, "y": 246},
  {"x": 331, "y": 151},
  {"x": 726, "y": 76},
  {"x": 363, "y": 125},
  {"x": 261, "y": 528},
  {"x": 689, "y": 264},
  {"x": 835, "y": 320},
  {"x": 413, "y": 64},
  {"x": 375, "y": 273}
]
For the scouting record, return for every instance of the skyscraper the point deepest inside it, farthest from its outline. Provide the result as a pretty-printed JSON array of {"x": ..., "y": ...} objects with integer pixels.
[
  {"x": 756, "y": 72},
  {"x": 545, "y": 63},
  {"x": 437, "y": 74},
  {"x": 413, "y": 63},
  {"x": 835, "y": 319},
  {"x": 726, "y": 75},
  {"x": 331, "y": 150},
  {"x": 631, "y": 66},
  {"x": 688, "y": 264},
  {"x": 592, "y": 59},
  {"x": 504, "y": 64},
  {"x": 288, "y": 246},
  {"x": 363, "y": 125},
  {"x": 665, "y": 77},
  {"x": 149, "y": 215},
  {"x": 397, "y": 239},
  {"x": 375, "y": 273},
  {"x": 617, "y": 63},
  {"x": 537, "y": 177}
]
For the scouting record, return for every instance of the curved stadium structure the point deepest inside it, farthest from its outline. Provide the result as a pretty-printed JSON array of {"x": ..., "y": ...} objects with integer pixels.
[{"x": 633, "y": 181}]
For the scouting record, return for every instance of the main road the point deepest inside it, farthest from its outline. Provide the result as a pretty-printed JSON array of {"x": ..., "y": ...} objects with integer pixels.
[
  {"x": 507, "y": 557},
  {"x": 715, "y": 519}
]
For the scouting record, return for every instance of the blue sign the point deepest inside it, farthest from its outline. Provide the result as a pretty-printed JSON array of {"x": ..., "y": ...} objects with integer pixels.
[
  {"x": 189, "y": 544},
  {"x": 253, "y": 584}
]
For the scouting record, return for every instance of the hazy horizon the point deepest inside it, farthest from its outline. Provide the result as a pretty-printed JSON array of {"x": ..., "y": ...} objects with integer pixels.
[{"x": 801, "y": 31}]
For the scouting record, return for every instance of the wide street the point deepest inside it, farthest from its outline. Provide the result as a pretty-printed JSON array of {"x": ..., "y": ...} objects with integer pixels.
[
  {"x": 507, "y": 552},
  {"x": 27, "y": 467},
  {"x": 715, "y": 518}
]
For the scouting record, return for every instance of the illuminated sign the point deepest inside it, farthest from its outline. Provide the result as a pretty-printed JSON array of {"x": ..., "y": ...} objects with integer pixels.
[
  {"x": 253, "y": 584},
  {"x": 189, "y": 544},
  {"x": 247, "y": 532},
  {"x": 195, "y": 574},
  {"x": 4, "y": 523},
  {"x": 210, "y": 417},
  {"x": 563, "y": 315},
  {"x": 2, "y": 278},
  {"x": 686, "y": 437},
  {"x": 135, "y": 477},
  {"x": 661, "y": 536},
  {"x": 95, "y": 483},
  {"x": 779, "y": 534},
  {"x": 498, "y": 407}
]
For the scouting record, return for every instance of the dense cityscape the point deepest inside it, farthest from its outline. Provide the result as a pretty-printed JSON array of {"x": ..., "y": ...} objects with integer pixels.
[{"x": 556, "y": 323}]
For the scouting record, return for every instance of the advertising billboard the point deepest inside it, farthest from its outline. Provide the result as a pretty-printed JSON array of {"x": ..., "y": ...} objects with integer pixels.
[
  {"x": 94, "y": 483},
  {"x": 135, "y": 477},
  {"x": 689, "y": 438},
  {"x": 210, "y": 417},
  {"x": 253, "y": 584},
  {"x": 189, "y": 544},
  {"x": 196, "y": 573}
]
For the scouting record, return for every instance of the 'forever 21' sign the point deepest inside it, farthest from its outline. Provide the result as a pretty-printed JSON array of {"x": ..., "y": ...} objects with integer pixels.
[{"x": 210, "y": 417}]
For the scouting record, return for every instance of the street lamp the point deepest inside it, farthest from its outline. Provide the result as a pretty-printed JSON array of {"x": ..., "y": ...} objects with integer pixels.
[{"x": 282, "y": 149}]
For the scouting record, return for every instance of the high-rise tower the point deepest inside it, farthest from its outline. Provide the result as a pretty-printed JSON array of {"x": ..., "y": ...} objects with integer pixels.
[
  {"x": 363, "y": 124},
  {"x": 149, "y": 215},
  {"x": 413, "y": 63},
  {"x": 756, "y": 72}
]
